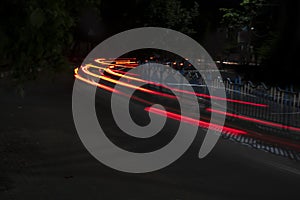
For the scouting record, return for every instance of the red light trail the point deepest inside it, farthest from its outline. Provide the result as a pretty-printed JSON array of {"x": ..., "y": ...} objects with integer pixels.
[
  {"x": 178, "y": 117},
  {"x": 291, "y": 128},
  {"x": 113, "y": 72},
  {"x": 192, "y": 121}
]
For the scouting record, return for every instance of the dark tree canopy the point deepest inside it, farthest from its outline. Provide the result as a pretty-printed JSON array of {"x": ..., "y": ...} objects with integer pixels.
[
  {"x": 40, "y": 34},
  {"x": 37, "y": 34}
]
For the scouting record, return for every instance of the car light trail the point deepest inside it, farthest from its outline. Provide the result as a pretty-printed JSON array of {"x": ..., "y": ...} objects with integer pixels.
[
  {"x": 110, "y": 89},
  {"x": 183, "y": 91},
  {"x": 291, "y": 128},
  {"x": 195, "y": 122},
  {"x": 224, "y": 99},
  {"x": 116, "y": 70},
  {"x": 123, "y": 72},
  {"x": 125, "y": 64},
  {"x": 94, "y": 83},
  {"x": 85, "y": 70},
  {"x": 226, "y": 130}
]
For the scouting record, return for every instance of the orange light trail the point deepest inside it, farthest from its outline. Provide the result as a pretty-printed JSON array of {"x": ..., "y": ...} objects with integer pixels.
[
  {"x": 94, "y": 83},
  {"x": 111, "y": 89},
  {"x": 267, "y": 138},
  {"x": 85, "y": 70},
  {"x": 101, "y": 61},
  {"x": 187, "y": 92},
  {"x": 128, "y": 64},
  {"x": 123, "y": 72}
]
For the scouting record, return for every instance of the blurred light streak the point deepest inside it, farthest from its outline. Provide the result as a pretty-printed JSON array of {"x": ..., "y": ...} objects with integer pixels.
[
  {"x": 255, "y": 120},
  {"x": 94, "y": 83},
  {"x": 85, "y": 70},
  {"x": 188, "y": 92},
  {"x": 196, "y": 122}
]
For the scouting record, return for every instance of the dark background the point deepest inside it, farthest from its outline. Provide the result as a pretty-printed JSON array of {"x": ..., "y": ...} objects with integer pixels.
[
  {"x": 41, "y": 154},
  {"x": 55, "y": 35}
]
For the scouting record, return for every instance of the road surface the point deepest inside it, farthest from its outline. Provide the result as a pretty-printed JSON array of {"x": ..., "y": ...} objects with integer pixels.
[{"x": 42, "y": 157}]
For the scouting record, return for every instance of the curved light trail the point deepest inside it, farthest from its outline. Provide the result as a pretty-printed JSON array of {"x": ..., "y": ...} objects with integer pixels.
[
  {"x": 258, "y": 121},
  {"x": 87, "y": 73},
  {"x": 132, "y": 65}
]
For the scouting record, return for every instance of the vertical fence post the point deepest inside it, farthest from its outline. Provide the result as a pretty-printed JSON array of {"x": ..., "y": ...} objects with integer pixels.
[{"x": 298, "y": 101}]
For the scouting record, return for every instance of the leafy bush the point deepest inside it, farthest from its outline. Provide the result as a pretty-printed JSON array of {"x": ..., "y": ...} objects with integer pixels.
[{"x": 37, "y": 34}]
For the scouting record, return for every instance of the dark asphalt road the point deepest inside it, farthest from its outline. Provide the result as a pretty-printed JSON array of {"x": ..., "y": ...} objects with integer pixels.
[{"x": 42, "y": 157}]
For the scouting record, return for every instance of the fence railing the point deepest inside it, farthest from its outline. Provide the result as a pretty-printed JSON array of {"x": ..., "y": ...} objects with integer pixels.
[{"x": 282, "y": 106}]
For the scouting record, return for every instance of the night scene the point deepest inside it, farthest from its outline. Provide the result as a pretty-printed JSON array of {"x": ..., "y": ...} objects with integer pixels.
[{"x": 149, "y": 99}]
